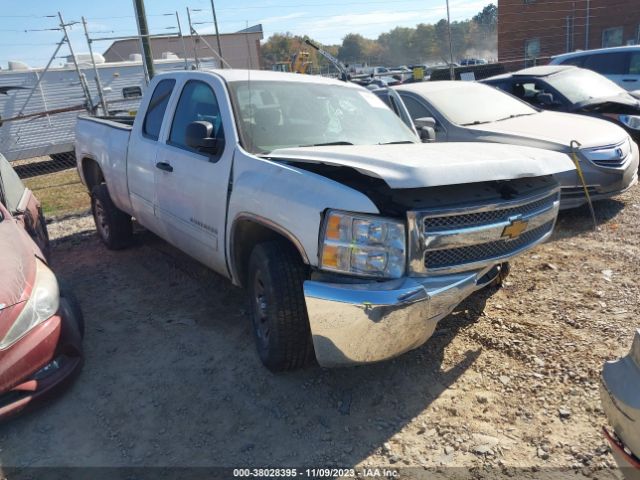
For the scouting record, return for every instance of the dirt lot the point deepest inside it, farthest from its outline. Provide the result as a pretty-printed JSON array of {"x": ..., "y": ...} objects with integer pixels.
[{"x": 172, "y": 378}]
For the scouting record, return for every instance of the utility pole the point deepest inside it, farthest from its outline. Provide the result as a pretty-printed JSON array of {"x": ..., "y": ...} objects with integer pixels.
[
  {"x": 143, "y": 31},
  {"x": 194, "y": 39},
  {"x": 103, "y": 100},
  {"x": 184, "y": 47},
  {"x": 215, "y": 23},
  {"x": 83, "y": 84},
  {"x": 452, "y": 73}
]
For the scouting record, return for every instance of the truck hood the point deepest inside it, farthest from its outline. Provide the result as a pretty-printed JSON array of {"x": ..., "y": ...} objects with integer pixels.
[
  {"x": 555, "y": 130},
  {"x": 420, "y": 165}
]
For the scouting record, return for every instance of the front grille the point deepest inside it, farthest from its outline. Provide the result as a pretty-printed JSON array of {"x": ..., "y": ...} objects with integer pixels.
[
  {"x": 485, "y": 251},
  {"x": 612, "y": 156},
  {"x": 481, "y": 234},
  {"x": 454, "y": 222},
  {"x": 576, "y": 192},
  {"x": 611, "y": 163}
]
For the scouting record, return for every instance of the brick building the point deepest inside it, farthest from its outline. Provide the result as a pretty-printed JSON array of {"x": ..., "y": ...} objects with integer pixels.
[{"x": 531, "y": 31}]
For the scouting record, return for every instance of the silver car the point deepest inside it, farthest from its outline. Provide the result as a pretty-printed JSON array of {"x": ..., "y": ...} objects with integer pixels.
[
  {"x": 620, "y": 393},
  {"x": 473, "y": 112}
]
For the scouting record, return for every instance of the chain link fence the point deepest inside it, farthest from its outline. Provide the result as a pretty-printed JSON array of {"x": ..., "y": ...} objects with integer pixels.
[
  {"x": 55, "y": 182},
  {"x": 42, "y": 166}
]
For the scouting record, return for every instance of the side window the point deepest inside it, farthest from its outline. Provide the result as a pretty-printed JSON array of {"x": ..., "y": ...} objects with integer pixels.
[
  {"x": 634, "y": 64},
  {"x": 416, "y": 109},
  {"x": 607, "y": 63},
  {"x": 197, "y": 103},
  {"x": 157, "y": 106},
  {"x": 576, "y": 61}
]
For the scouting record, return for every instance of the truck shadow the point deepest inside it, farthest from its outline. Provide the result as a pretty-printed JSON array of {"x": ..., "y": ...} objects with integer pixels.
[{"x": 172, "y": 378}]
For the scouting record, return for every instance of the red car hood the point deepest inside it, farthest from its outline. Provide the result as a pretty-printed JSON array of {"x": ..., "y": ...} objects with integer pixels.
[{"x": 17, "y": 268}]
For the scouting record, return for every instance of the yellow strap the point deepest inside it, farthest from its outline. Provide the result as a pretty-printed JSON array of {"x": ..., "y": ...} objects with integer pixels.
[{"x": 575, "y": 145}]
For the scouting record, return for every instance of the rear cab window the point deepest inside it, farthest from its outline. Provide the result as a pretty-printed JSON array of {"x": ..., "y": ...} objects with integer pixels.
[{"x": 157, "y": 106}]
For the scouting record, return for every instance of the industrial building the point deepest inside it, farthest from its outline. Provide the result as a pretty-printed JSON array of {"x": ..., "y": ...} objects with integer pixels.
[
  {"x": 530, "y": 32},
  {"x": 240, "y": 49}
]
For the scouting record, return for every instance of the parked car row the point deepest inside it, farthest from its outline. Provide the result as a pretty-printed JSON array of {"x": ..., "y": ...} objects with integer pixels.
[{"x": 469, "y": 111}]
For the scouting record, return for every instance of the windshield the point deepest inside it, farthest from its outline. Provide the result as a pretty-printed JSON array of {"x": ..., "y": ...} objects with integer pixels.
[
  {"x": 475, "y": 103},
  {"x": 580, "y": 85},
  {"x": 297, "y": 114}
]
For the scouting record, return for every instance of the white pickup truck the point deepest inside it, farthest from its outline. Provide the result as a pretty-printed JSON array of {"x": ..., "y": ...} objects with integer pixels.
[{"x": 352, "y": 238}]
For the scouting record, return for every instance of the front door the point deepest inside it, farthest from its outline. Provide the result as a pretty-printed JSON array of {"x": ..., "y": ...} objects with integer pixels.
[{"x": 191, "y": 186}]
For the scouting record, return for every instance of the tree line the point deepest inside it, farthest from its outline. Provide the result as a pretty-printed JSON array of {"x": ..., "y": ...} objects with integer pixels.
[{"x": 426, "y": 43}]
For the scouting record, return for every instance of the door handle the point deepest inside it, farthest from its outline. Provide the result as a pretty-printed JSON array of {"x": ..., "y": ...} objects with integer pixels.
[
  {"x": 164, "y": 166},
  {"x": 629, "y": 79}
]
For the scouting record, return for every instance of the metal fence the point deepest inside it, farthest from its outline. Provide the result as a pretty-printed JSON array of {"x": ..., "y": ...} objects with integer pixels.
[
  {"x": 38, "y": 166},
  {"x": 470, "y": 72}
]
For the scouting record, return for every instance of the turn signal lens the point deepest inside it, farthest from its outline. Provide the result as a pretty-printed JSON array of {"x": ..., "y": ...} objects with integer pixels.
[{"x": 364, "y": 245}]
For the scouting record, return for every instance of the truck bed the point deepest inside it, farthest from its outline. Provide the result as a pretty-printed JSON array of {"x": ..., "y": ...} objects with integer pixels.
[{"x": 105, "y": 140}]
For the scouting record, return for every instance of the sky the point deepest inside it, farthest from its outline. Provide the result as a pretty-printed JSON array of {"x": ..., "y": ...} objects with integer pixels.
[{"x": 27, "y": 27}]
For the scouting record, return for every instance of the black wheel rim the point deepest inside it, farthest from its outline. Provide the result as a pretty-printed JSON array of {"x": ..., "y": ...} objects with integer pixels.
[{"x": 260, "y": 308}]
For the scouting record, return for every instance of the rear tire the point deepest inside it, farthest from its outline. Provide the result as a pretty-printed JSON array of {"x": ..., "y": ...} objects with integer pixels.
[
  {"x": 279, "y": 315},
  {"x": 114, "y": 226}
]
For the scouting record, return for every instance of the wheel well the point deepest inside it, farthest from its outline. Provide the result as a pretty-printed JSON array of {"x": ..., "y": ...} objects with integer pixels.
[
  {"x": 246, "y": 235},
  {"x": 92, "y": 173}
]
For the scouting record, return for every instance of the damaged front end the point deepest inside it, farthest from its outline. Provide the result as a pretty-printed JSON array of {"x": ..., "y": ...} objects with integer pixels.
[{"x": 620, "y": 393}]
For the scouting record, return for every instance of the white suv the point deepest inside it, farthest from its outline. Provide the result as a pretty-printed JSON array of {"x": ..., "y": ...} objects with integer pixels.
[{"x": 620, "y": 64}]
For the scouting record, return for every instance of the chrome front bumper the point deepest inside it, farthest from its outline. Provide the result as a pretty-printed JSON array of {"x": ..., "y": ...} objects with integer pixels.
[
  {"x": 620, "y": 395},
  {"x": 365, "y": 323}
]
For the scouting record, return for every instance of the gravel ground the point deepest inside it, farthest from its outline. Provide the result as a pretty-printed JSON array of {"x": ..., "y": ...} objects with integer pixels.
[{"x": 509, "y": 381}]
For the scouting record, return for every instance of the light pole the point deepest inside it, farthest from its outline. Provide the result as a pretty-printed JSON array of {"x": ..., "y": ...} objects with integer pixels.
[
  {"x": 452, "y": 74},
  {"x": 215, "y": 24}
]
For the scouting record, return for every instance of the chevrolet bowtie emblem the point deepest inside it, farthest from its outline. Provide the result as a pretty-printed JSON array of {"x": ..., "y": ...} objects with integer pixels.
[{"x": 515, "y": 229}]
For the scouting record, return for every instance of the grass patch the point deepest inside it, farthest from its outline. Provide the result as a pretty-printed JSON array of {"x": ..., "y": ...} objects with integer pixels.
[{"x": 60, "y": 193}]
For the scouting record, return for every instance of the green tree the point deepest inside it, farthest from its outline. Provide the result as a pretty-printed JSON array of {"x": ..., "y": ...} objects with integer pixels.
[{"x": 352, "y": 48}]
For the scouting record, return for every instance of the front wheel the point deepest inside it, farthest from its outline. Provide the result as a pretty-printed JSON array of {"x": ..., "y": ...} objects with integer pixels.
[
  {"x": 279, "y": 315},
  {"x": 114, "y": 226}
]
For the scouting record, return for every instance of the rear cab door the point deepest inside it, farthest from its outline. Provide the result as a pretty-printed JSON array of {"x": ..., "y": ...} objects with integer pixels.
[
  {"x": 142, "y": 151},
  {"x": 191, "y": 186}
]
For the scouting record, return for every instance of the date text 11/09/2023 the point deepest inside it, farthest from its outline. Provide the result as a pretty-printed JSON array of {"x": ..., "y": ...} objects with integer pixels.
[{"x": 365, "y": 472}]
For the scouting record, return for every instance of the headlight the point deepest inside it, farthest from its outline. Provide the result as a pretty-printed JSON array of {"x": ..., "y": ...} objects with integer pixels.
[
  {"x": 42, "y": 305},
  {"x": 364, "y": 245},
  {"x": 631, "y": 121}
]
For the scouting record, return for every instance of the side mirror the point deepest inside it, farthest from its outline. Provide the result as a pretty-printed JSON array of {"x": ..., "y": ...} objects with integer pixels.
[
  {"x": 428, "y": 122},
  {"x": 198, "y": 137},
  {"x": 427, "y": 134},
  {"x": 545, "y": 99}
]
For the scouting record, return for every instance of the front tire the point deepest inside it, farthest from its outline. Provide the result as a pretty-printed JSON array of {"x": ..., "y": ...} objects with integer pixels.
[
  {"x": 114, "y": 226},
  {"x": 279, "y": 315}
]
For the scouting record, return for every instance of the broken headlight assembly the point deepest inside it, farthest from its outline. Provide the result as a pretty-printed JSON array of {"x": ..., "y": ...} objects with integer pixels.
[
  {"x": 42, "y": 304},
  {"x": 631, "y": 121},
  {"x": 363, "y": 245}
]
